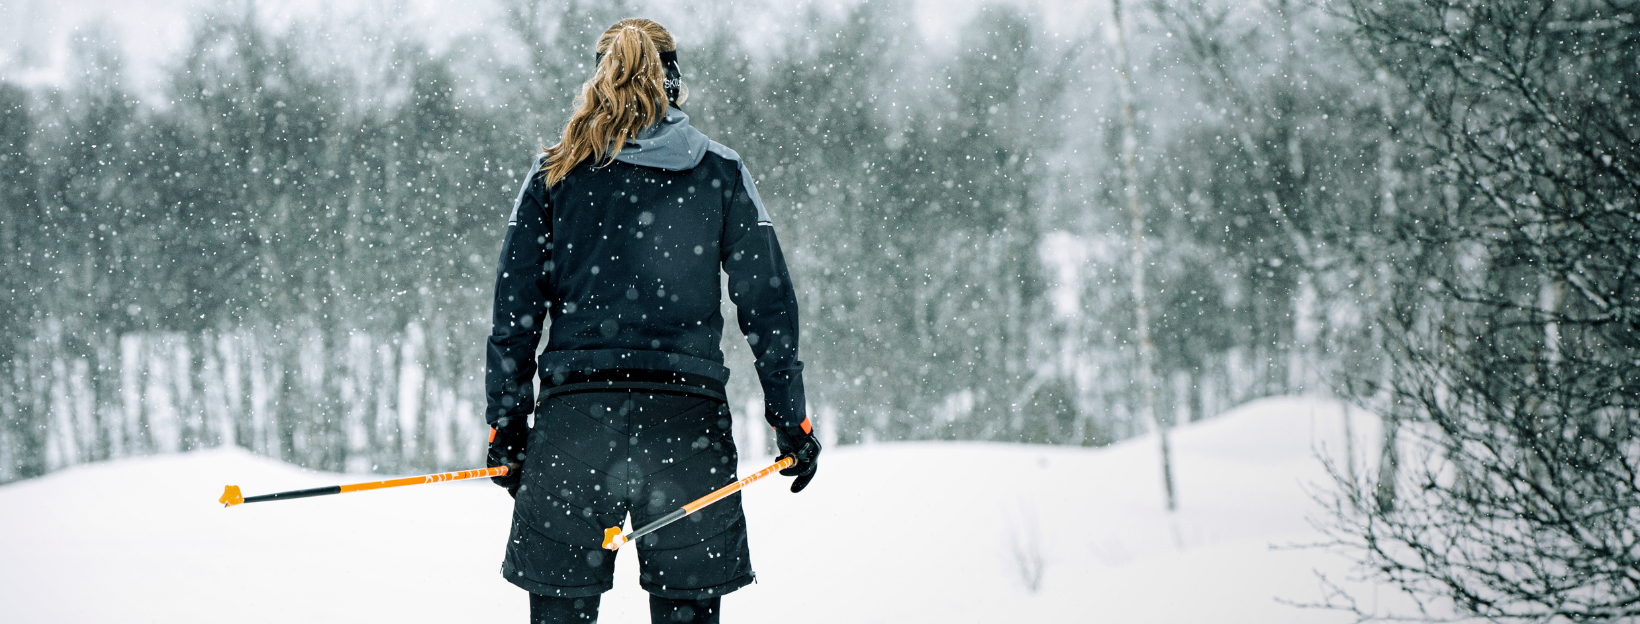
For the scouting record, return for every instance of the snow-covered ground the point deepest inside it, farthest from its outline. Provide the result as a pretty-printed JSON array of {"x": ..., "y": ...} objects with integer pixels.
[{"x": 914, "y": 532}]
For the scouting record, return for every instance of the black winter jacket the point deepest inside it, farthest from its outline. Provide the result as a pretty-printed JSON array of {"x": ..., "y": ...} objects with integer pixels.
[{"x": 623, "y": 259}]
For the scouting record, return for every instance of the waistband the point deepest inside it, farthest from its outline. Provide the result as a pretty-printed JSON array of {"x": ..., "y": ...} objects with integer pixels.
[
  {"x": 587, "y": 360},
  {"x": 618, "y": 380}
]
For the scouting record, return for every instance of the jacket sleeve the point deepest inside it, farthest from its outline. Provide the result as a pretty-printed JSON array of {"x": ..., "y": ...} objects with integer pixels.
[
  {"x": 521, "y": 282},
  {"x": 765, "y": 302}
]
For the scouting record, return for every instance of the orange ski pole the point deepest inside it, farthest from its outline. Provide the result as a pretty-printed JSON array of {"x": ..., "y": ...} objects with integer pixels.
[
  {"x": 231, "y": 495},
  {"x": 614, "y": 538}
]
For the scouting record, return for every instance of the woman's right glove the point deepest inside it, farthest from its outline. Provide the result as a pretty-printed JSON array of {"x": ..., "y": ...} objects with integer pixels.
[
  {"x": 799, "y": 443},
  {"x": 507, "y": 441}
]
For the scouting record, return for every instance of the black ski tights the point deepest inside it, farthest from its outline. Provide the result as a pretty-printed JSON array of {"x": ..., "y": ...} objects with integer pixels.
[
  {"x": 669, "y": 611},
  {"x": 549, "y": 610}
]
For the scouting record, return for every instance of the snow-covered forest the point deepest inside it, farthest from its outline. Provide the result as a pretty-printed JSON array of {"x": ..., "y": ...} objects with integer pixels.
[
  {"x": 1043, "y": 222},
  {"x": 293, "y": 249}
]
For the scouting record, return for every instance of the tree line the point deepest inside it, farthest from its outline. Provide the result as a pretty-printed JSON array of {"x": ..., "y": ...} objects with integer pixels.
[{"x": 293, "y": 252}]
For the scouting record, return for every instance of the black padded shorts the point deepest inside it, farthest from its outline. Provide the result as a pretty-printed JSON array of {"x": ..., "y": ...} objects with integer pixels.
[{"x": 593, "y": 457}]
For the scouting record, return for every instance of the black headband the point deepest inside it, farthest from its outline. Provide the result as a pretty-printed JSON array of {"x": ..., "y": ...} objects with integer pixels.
[
  {"x": 669, "y": 58},
  {"x": 669, "y": 62}
]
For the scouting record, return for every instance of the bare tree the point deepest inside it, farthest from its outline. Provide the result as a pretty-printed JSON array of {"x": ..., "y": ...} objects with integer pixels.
[{"x": 1520, "y": 495}]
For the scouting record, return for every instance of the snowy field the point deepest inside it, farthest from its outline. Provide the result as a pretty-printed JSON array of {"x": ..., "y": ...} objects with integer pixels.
[{"x": 914, "y": 532}]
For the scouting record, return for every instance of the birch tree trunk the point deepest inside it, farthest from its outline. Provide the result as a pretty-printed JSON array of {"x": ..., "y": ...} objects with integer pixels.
[
  {"x": 1389, "y": 458},
  {"x": 1141, "y": 311}
]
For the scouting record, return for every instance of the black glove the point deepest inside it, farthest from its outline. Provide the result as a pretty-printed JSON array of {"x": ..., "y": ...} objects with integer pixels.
[
  {"x": 799, "y": 443},
  {"x": 507, "y": 441}
]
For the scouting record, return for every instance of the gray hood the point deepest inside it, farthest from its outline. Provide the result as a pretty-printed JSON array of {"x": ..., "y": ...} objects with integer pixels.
[
  {"x": 670, "y": 144},
  {"x": 674, "y": 145}
]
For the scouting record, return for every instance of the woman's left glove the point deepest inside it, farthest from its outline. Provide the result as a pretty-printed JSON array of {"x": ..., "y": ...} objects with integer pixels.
[{"x": 507, "y": 441}]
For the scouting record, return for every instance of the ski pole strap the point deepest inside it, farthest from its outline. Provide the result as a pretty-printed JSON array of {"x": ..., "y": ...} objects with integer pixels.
[{"x": 614, "y": 538}]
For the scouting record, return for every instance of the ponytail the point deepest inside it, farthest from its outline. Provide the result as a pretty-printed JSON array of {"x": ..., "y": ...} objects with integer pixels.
[{"x": 626, "y": 94}]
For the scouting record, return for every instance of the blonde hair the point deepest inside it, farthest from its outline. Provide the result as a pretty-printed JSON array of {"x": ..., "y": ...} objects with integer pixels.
[{"x": 627, "y": 93}]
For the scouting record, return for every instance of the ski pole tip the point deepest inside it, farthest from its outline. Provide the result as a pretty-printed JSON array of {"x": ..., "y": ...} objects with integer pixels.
[
  {"x": 613, "y": 539},
  {"x": 231, "y": 496}
]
